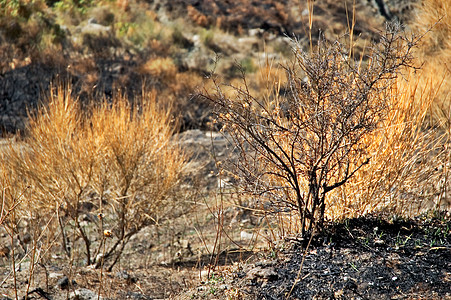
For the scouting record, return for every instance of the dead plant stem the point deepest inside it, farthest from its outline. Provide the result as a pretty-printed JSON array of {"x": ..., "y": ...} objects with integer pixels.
[{"x": 300, "y": 267}]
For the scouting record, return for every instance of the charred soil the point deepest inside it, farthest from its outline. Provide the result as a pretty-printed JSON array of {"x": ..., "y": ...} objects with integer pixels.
[{"x": 363, "y": 258}]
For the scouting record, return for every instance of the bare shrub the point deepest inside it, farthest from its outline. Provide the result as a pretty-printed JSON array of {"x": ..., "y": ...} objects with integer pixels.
[
  {"x": 296, "y": 146},
  {"x": 106, "y": 171}
]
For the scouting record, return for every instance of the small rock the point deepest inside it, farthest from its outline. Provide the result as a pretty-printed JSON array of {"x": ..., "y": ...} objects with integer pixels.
[
  {"x": 265, "y": 263},
  {"x": 84, "y": 294},
  {"x": 125, "y": 276},
  {"x": 223, "y": 287},
  {"x": 264, "y": 273},
  {"x": 55, "y": 275},
  {"x": 95, "y": 29},
  {"x": 256, "y": 32},
  {"x": 378, "y": 241},
  {"x": 204, "y": 274},
  {"x": 246, "y": 235},
  {"x": 185, "y": 244}
]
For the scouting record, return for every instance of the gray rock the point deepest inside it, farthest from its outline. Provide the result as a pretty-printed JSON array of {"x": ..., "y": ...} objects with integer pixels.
[
  {"x": 198, "y": 58},
  {"x": 124, "y": 275},
  {"x": 262, "y": 273},
  {"x": 95, "y": 29},
  {"x": 55, "y": 275},
  {"x": 84, "y": 294}
]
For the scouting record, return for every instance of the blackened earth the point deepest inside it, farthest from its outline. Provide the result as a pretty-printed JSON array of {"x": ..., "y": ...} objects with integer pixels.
[{"x": 363, "y": 258}]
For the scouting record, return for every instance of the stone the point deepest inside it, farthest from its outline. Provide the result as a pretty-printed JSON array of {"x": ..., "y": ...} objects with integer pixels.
[
  {"x": 95, "y": 29},
  {"x": 262, "y": 273},
  {"x": 63, "y": 283},
  {"x": 84, "y": 294},
  {"x": 55, "y": 275},
  {"x": 125, "y": 276},
  {"x": 246, "y": 235}
]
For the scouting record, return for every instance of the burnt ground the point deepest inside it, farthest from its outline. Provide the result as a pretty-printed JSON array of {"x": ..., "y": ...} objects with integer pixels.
[
  {"x": 371, "y": 257},
  {"x": 363, "y": 258}
]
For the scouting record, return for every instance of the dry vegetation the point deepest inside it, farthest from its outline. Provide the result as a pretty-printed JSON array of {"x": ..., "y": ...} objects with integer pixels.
[
  {"x": 112, "y": 164},
  {"x": 328, "y": 136},
  {"x": 434, "y": 54},
  {"x": 335, "y": 119}
]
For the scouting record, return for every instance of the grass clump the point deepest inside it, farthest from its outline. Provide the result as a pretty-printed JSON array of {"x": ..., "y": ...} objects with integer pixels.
[
  {"x": 408, "y": 159},
  {"x": 105, "y": 168}
]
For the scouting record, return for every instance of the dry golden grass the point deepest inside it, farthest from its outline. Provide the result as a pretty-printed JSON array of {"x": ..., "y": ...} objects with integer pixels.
[
  {"x": 163, "y": 69},
  {"x": 409, "y": 169},
  {"x": 434, "y": 19},
  {"x": 115, "y": 156},
  {"x": 436, "y": 16},
  {"x": 407, "y": 159}
]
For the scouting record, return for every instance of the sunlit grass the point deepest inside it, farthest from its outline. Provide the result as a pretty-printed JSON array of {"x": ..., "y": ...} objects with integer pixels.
[{"x": 116, "y": 155}]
